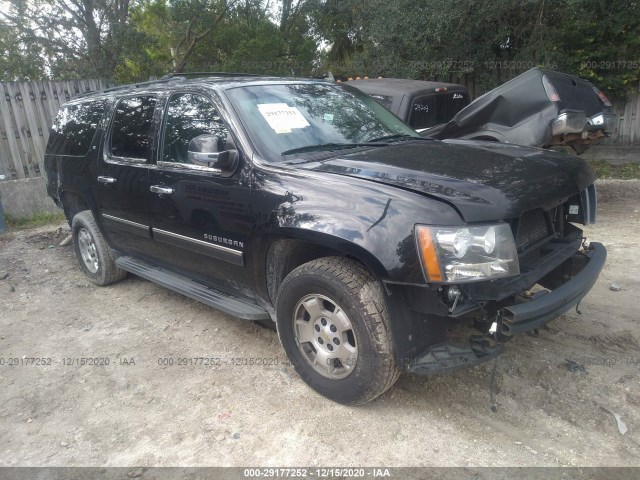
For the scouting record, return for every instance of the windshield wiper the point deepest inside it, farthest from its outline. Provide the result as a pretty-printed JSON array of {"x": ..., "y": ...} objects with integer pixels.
[
  {"x": 400, "y": 136},
  {"x": 332, "y": 146}
]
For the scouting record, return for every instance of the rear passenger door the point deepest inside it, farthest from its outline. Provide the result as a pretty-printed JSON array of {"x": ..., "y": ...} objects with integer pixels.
[
  {"x": 72, "y": 150},
  {"x": 201, "y": 219},
  {"x": 122, "y": 183}
]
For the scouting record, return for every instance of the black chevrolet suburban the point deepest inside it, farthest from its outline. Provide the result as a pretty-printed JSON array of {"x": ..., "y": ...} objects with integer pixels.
[{"x": 306, "y": 203}]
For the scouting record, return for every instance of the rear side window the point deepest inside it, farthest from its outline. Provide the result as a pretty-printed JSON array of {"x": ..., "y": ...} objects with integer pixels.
[
  {"x": 131, "y": 130},
  {"x": 74, "y": 128},
  {"x": 385, "y": 100},
  {"x": 431, "y": 110}
]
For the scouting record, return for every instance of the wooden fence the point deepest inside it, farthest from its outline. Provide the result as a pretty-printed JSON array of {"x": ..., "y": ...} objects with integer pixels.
[
  {"x": 27, "y": 111},
  {"x": 627, "y": 128}
]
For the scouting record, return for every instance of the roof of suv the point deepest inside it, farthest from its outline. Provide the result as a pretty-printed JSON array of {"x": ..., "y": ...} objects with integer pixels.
[{"x": 224, "y": 81}]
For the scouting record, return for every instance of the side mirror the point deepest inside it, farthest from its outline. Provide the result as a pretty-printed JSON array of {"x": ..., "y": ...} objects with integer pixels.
[{"x": 204, "y": 150}]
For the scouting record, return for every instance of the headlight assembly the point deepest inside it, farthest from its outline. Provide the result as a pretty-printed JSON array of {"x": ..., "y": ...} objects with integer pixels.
[{"x": 467, "y": 254}]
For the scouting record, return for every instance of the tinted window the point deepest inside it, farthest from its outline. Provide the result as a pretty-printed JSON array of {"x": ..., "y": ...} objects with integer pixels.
[
  {"x": 130, "y": 134},
  {"x": 188, "y": 116},
  {"x": 74, "y": 128},
  {"x": 385, "y": 100},
  {"x": 281, "y": 118},
  {"x": 435, "y": 109}
]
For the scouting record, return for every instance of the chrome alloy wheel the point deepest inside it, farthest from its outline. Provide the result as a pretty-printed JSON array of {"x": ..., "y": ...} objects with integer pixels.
[
  {"x": 325, "y": 336},
  {"x": 88, "y": 250}
]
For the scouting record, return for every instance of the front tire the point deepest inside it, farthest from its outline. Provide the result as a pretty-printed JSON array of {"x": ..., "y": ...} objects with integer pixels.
[
  {"x": 333, "y": 324},
  {"x": 93, "y": 254}
]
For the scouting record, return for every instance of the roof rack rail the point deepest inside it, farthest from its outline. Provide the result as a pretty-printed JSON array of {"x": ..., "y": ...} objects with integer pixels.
[
  {"x": 171, "y": 77},
  {"x": 212, "y": 74},
  {"x": 131, "y": 85}
]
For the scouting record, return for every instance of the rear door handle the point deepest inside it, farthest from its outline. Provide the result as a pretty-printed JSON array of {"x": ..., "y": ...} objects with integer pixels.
[
  {"x": 107, "y": 180},
  {"x": 161, "y": 190}
]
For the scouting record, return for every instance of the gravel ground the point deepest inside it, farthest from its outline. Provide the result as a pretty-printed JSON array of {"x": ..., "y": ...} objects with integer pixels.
[{"x": 136, "y": 411}]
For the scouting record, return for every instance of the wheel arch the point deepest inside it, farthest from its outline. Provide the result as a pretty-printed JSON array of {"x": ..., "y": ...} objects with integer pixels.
[
  {"x": 72, "y": 203},
  {"x": 486, "y": 137},
  {"x": 285, "y": 254}
]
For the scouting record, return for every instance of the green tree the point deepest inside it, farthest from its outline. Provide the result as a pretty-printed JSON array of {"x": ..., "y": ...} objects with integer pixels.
[
  {"x": 602, "y": 43},
  {"x": 18, "y": 61},
  {"x": 488, "y": 41},
  {"x": 445, "y": 38},
  {"x": 78, "y": 38},
  {"x": 295, "y": 27},
  {"x": 339, "y": 23},
  {"x": 181, "y": 28},
  {"x": 188, "y": 35}
]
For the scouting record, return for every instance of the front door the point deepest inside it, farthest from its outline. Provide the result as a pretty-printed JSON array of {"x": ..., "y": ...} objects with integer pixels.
[
  {"x": 201, "y": 220},
  {"x": 122, "y": 185}
]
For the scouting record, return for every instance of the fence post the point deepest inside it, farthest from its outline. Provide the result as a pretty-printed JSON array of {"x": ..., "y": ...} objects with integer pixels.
[{"x": 3, "y": 226}]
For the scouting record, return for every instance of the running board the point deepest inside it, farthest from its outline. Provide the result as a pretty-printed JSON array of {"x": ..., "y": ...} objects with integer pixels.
[{"x": 181, "y": 284}]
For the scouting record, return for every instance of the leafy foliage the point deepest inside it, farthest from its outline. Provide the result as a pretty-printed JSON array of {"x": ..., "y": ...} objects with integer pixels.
[
  {"x": 18, "y": 60},
  {"x": 488, "y": 41},
  {"x": 75, "y": 38},
  {"x": 602, "y": 43}
]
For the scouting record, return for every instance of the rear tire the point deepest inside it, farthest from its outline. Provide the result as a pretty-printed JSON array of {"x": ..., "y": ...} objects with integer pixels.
[
  {"x": 94, "y": 255},
  {"x": 333, "y": 324}
]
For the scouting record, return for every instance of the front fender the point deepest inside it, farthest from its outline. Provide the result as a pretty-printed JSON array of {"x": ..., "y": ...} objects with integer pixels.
[{"x": 369, "y": 221}]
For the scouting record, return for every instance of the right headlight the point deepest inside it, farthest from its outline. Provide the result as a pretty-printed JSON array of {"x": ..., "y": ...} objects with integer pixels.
[{"x": 467, "y": 253}]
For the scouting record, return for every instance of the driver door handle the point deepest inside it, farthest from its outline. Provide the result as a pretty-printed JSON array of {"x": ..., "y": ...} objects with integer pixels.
[
  {"x": 107, "y": 180},
  {"x": 161, "y": 190}
]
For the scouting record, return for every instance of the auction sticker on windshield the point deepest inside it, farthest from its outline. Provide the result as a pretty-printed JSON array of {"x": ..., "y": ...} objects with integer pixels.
[{"x": 281, "y": 117}]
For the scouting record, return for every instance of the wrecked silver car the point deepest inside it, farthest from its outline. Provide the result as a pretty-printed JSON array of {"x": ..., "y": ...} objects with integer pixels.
[{"x": 539, "y": 108}]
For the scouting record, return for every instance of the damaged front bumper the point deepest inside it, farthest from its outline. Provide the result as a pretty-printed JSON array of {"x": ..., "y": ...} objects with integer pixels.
[
  {"x": 543, "y": 308},
  {"x": 512, "y": 319}
]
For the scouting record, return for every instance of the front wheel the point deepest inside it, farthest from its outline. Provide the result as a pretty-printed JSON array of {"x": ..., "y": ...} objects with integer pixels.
[{"x": 333, "y": 324}]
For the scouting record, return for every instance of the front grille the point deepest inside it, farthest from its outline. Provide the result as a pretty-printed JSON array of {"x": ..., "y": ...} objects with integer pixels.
[{"x": 531, "y": 227}]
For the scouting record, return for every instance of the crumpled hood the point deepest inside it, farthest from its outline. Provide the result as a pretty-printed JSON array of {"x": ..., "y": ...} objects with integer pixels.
[{"x": 484, "y": 181}]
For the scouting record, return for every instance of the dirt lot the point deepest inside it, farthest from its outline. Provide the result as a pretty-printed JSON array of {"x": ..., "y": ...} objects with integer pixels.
[{"x": 136, "y": 412}]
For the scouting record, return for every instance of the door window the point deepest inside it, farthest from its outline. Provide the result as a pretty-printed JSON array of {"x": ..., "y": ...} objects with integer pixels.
[
  {"x": 188, "y": 116},
  {"x": 131, "y": 130}
]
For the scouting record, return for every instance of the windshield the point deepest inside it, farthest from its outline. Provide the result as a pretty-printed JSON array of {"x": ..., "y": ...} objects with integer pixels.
[{"x": 296, "y": 118}]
